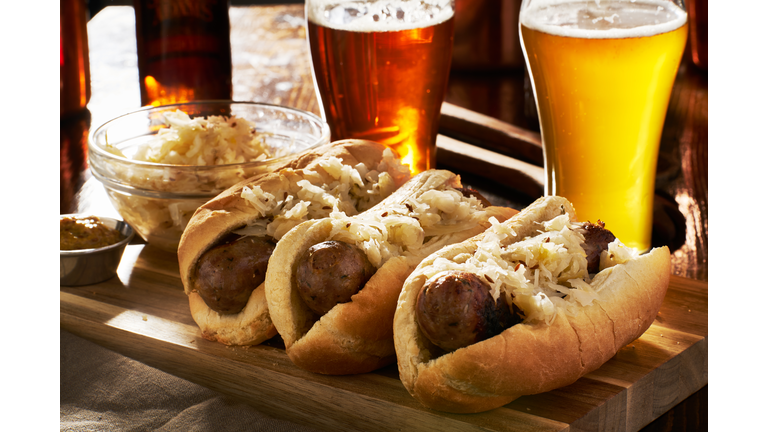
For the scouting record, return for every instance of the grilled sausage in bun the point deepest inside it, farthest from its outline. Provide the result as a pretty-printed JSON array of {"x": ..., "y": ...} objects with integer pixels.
[
  {"x": 225, "y": 249},
  {"x": 528, "y": 306},
  {"x": 333, "y": 283}
]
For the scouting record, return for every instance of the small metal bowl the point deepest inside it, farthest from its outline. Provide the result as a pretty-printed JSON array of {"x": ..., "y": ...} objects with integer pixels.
[{"x": 91, "y": 266}]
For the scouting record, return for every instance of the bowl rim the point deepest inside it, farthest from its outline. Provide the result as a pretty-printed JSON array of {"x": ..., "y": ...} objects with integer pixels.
[
  {"x": 101, "y": 152},
  {"x": 122, "y": 226}
]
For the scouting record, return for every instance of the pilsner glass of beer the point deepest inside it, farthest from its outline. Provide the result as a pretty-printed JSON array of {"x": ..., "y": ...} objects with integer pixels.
[
  {"x": 602, "y": 73},
  {"x": 381, "y": 70}
]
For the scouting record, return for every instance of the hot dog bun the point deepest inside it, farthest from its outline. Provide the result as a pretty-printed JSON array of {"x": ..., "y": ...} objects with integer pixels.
[
  {"x": 234, "y": 211},
  {"x": 533, "y": 356},
  {"x": 356, "y": 336}
]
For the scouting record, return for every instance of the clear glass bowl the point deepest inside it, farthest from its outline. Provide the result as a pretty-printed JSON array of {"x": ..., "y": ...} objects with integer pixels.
[{"x": 158, "y": 200}]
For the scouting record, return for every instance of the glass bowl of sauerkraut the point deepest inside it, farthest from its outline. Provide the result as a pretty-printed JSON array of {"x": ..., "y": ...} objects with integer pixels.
[{"x": 159, "y": 164}]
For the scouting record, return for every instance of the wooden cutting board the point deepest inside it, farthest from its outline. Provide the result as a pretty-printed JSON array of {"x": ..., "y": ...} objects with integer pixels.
[{"x": 143, "y": 314}]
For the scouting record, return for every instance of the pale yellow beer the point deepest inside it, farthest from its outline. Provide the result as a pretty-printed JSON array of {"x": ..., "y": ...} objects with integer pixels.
[
  {"x": 603, "y": 72},
  {"x": 381, "y": 71}
]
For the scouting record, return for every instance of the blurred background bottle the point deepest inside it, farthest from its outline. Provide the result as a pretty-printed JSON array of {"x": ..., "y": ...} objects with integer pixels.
[
  {"x": 486, "y": 35},
  {"x": 184, "y": 50},
  {"x": 697, "y": 9},
  {"x": 74, "y": 68}
]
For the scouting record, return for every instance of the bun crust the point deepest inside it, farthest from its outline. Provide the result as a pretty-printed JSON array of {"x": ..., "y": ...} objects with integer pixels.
[
  {"x": 251, "y": 324},
  {"x": 227, "y": 212},
  {"x": 356, "y": 336},
  {"x": 528, "y": 358}
]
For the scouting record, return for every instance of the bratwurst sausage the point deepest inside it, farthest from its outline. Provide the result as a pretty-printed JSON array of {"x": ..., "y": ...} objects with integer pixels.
[
  {"x": 227, "y": 274},
  {"x": 331, "y": 272},
  {"x": 596, "y": 239},
  {"x": 457, "y": 309}
]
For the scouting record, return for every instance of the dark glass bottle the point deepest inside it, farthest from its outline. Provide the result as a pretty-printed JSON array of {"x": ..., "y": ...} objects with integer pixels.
[
  {"x": 74, "y": 67},
  {"x": 184, "y": 50}
]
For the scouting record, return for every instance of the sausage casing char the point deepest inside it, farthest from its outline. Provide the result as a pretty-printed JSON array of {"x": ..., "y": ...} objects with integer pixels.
[
  {"x": 227, "y": 274},
  {"x": 469, "y": 192},
  {"x": 596, "y": 239},
  {"x": 331, "y": 272},
  {"x": 457, "y": 309}
]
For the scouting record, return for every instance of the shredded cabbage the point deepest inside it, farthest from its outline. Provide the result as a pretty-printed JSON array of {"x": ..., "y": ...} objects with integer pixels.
[
  {"x": 409, "y": 226},
  {"x": 541, "y": 274},
  {"x": 212, "y": 140},
  {"x": 617, "y": 253},
  {"x": 309, "y": 196},
  {"x": 186, "y": 143}
]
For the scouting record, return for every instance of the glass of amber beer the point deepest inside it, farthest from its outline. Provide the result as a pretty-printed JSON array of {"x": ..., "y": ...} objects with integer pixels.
[
  {"x": 381, "y": 70},
  {"x": 603, "y": 72}
]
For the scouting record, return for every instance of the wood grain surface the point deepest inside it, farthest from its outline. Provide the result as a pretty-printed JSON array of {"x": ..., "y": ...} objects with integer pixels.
[{"x": 144, "y": 314}]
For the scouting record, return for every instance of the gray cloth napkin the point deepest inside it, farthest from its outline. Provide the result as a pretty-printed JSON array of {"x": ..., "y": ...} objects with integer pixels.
[{"x": 101, "y": 390}]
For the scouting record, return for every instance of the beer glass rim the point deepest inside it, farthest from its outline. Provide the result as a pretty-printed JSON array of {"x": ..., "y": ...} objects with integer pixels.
[
  {"x": 527, "y": 3},
  {"x": 314, "y": 13},
  {"x": 531, "y": 17}
]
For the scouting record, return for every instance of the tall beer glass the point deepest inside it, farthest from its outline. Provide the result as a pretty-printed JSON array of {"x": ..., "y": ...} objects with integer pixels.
[
  {"x": 381, "y": 70},
  {"x": 603, "y": 72}
]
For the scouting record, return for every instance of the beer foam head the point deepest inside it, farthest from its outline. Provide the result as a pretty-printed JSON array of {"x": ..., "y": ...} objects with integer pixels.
[
  {"x": 603, "y": 19},
  {"x": 381, "y": 15}
]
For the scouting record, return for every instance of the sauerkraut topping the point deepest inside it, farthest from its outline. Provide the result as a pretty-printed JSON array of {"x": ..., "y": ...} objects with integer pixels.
[
  {"x": 186, "y": 142},
  {"x": 308, "y": 196},
  {"x": 405, "y": 227},
  {"x": 212, "y": 140},
  {"x": 617, "y": 253},
  {"x": 541, "y": 274},
  {"x": 158, "y": 181}
]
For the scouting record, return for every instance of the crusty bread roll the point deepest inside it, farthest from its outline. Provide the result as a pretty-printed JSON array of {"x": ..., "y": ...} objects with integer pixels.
[
  {"x": 232, "y": 211},
  {"x": 536, "y": 355},
  {"x": 356, "y": 336}
]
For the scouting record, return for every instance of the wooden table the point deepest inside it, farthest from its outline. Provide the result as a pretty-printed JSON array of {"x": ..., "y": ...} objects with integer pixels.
[{"x": 488, "y": 135}]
